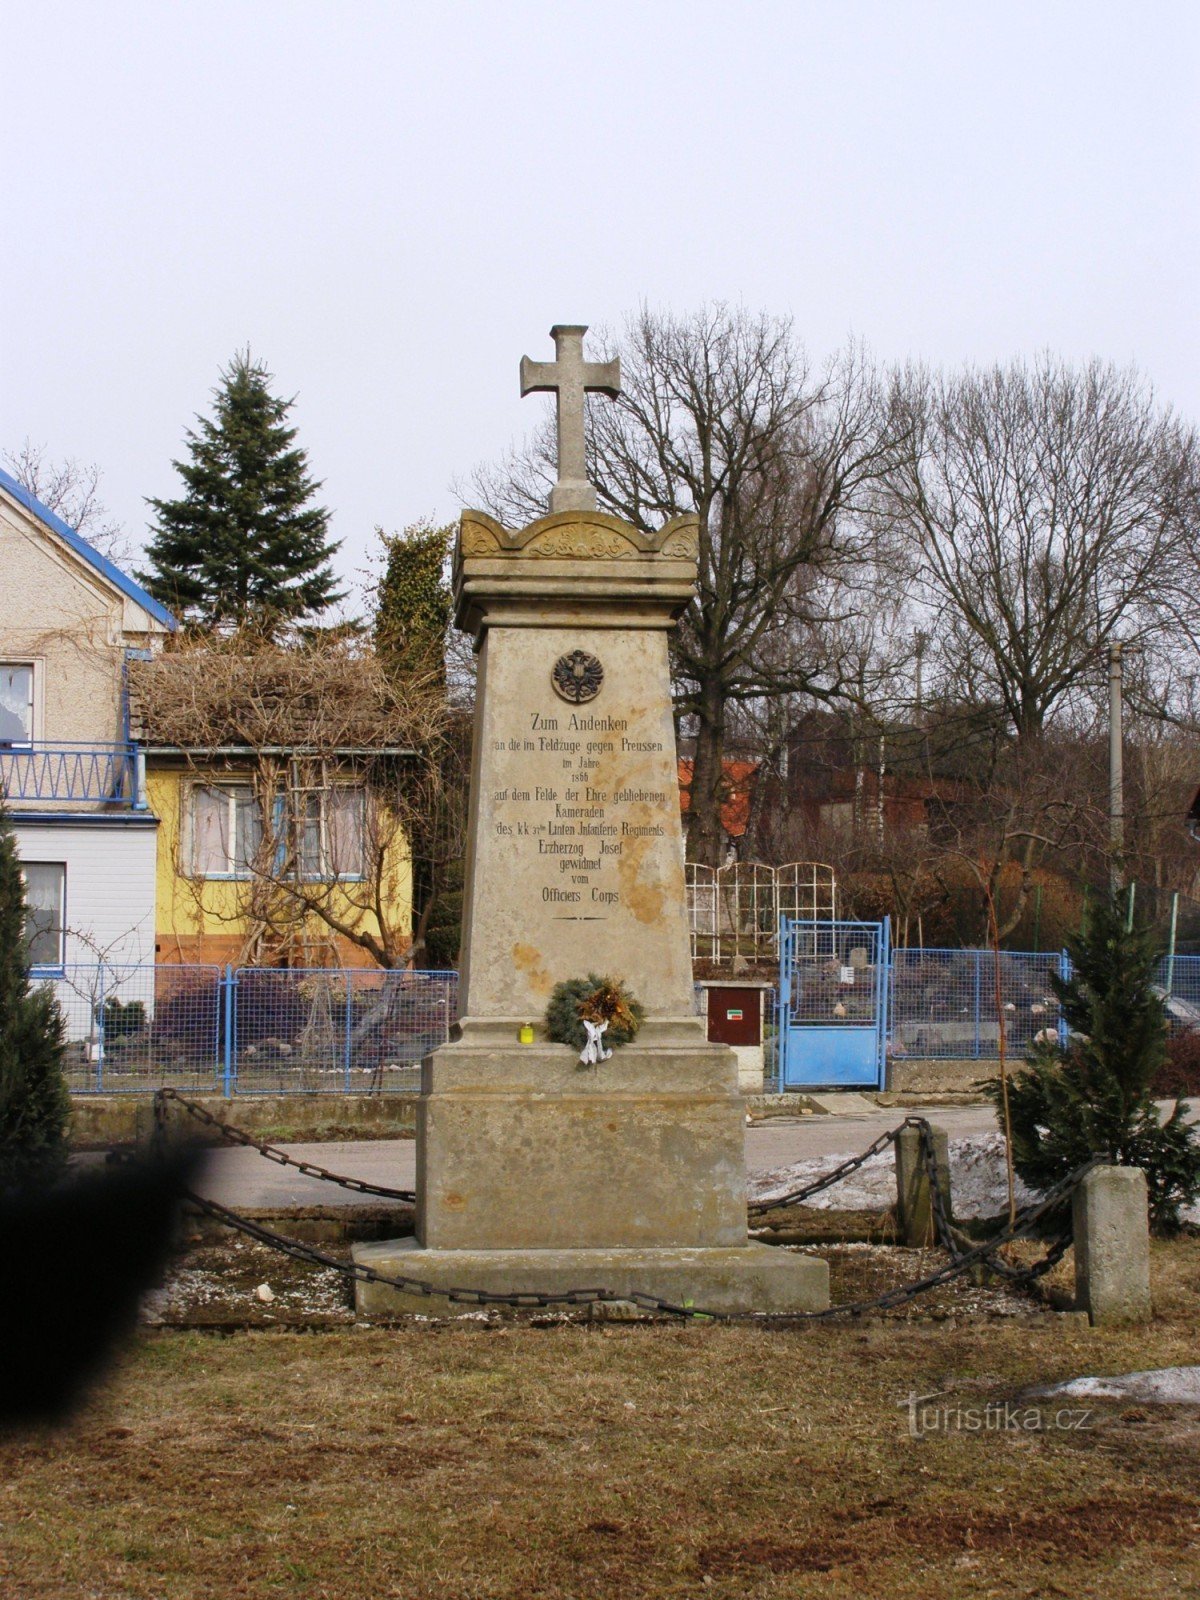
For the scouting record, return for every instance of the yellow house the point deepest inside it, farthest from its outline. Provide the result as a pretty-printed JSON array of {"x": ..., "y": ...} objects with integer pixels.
[{"x": 275, "y": 858}]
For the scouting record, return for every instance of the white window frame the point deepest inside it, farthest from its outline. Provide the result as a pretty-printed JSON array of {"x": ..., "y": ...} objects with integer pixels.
[
  {"x": 232, "y": 789},
  {"x": 326, "y": 872},
  {"x": 46, "y": 968},
  {"x": 35, "y": 664}
]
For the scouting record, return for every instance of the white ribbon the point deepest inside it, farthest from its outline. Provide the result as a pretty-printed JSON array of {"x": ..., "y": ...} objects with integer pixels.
[{"x": 593, "y": 1051}]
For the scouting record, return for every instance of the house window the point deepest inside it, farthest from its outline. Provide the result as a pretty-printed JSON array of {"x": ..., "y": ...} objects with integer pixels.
[
  {"x": 226, "y": 830},
  {"x": 331, "y": 833},
  {"x": 16, "y": 702},
  {"x": 45, "y": 911}
]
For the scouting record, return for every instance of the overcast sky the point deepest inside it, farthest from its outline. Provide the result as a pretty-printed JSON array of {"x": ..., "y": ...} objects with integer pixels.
[{"x": 392, "y": 202}]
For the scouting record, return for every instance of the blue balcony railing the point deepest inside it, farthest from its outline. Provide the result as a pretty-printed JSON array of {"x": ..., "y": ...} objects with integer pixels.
[{"x": 104, "y": 773}]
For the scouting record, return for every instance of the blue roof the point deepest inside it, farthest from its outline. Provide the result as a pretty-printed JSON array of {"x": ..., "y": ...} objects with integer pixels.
[{"x": 89, "y": 552}]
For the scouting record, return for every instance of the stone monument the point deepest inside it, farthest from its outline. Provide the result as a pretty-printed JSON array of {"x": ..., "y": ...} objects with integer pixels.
[{"x": 534, "y": 1173}]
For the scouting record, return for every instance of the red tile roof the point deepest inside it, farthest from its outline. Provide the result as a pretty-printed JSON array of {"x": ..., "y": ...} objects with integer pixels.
[{"x": 740, "y": 778}]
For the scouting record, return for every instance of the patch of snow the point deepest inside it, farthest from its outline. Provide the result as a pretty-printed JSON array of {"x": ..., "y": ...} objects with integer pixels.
[
  {"x": 1168, "y": 1386},
  {"x": 977, "y": 1181}
]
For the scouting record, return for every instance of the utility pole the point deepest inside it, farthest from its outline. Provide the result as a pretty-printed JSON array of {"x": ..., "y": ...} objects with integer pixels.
[
  {"x": 1116, "y": 776},
  {"x": 921, "y": 641},
  {"x": 879, "y": 819}
]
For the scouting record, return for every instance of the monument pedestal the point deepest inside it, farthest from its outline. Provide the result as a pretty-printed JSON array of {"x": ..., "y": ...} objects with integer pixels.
[{"x": 534, "y": 1174}]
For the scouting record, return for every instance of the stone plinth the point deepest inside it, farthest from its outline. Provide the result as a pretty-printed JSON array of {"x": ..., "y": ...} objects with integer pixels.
[
  {"x": 646, "y": 1149},
  {"x": 533, "y": 1173},
  {"x": 754, "y": 1277}
]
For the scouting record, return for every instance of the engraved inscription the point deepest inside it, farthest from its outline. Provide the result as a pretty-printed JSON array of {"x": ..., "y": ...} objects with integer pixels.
[{"x": 579, "y": 816}]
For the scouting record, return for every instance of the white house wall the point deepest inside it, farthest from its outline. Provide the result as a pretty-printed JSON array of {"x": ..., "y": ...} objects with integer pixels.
[{"x": 109, "y": 909}]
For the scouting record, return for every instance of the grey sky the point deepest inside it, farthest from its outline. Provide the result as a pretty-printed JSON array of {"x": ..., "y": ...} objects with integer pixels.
[{"x": 391, "y": 203}]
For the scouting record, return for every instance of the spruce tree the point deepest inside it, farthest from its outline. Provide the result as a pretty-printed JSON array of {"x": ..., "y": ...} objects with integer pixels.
[
  {"x": 35, "y": 1109},
  {"x": 244, "y": 546},
  {"x": 1092, "y": 1096}
]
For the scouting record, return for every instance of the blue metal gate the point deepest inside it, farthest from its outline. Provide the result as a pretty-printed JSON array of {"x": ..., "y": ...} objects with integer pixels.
[{"x": 833, "y": 1003}]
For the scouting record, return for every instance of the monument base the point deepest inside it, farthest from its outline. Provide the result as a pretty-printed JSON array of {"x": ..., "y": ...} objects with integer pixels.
[
  {"x": 739, "y": 1278},
  {"x": 520, "y": 1148}
]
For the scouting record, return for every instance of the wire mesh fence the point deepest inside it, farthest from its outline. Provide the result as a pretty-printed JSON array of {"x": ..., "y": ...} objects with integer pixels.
[
  {"x": 772, "y": 1065},
  {"x": 210, "y": 1029},
  {"x": 1178, "y": 978},
  {"x": 328, "y": 1029},
  {"x": 136, "y": 1027},
  {"x": 266, "y": 1030},
  {"x": 944, "y": 1002}
]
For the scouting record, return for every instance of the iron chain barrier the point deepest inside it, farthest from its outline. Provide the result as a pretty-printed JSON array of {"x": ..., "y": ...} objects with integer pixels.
[
  {"x": 797, "y": 1196},
  {"x": 963, "y": 1260},
  {"x": 954, "y": 1242},
  {"x": 238, "y": 1136}
]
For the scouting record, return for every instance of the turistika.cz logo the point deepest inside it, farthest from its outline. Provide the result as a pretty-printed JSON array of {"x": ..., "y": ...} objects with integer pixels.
[{"x": 932, "y": 1414}]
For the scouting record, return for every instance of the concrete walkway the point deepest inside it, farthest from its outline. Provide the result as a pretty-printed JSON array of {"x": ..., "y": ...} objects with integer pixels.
[{"x": 243, "y": 1180}]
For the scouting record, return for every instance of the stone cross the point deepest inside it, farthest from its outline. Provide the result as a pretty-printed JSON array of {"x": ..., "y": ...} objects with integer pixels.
[{"x": 571, "y": 377}]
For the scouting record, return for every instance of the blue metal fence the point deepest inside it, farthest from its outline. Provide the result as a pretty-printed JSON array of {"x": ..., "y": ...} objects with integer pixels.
[
  {"x": 134, "y": 1027},
  {"x": 943, "y": 1002},
  {"x": 335, "y": 1029},
  {"x": 833, "y": 1003},
  {"x": 276, "y": 1030},
  {"x": 246, "y": 1030},
  {"x": 1179, "y": 979}
]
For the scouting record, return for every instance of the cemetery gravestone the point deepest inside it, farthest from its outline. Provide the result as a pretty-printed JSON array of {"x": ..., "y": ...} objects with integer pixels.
[{"x": 532, "y": 1172}]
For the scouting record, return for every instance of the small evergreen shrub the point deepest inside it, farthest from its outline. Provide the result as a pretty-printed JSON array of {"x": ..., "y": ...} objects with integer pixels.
[
  {"x": 1095, "y": 1095},
  {"x": 599, "y": 1000},
  {"x": 122, "y": 1019},
  {"x": 35, "y": 1108}
]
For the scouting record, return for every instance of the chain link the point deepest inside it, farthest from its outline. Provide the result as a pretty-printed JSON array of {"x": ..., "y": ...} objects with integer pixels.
[
  {"x": 950, "y": 1238},
  {"x": 961, "y": 1260},
  {"x": 798, "y": 1196},
  {"x": 238, "y": 1136}
]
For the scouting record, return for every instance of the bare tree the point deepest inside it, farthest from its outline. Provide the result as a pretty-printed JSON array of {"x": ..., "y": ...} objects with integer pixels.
[
  {"x": 1162, "y": 773},
  {"x": 721, "y": 415},
  {"x": 71, "y": 489},
  {"x": 1046, "y": 511},
  {"x": 310, "y": 721}
]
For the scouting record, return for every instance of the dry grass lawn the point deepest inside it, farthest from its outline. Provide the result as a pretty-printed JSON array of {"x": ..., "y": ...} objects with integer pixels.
[{"x": 609, "y": 1459}]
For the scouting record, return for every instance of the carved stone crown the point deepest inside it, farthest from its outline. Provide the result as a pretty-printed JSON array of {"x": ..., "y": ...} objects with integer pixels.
[
  {"x": 573, "y": 567},
  {"x": 578, "y": 535}
]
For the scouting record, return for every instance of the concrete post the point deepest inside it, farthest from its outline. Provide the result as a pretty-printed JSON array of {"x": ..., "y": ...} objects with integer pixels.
[
  {"x": 145, "y": 1125},
  {"x": 1112, "y": 1245},
  {"x": 155, "y": 1138},
  {"x": 914, "y": 1210}
]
